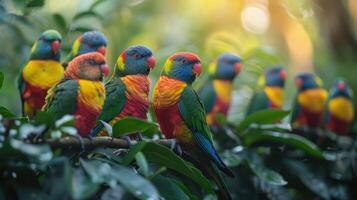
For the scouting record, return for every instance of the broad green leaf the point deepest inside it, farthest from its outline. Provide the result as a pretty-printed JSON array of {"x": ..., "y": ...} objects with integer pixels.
[
  {"x": 268, "y": 116},
  {"x": 137, "y": 185},
  {"x": 60, "y": 21},
  {"x": 95, "y": 4},
  {"x": 311, "y": 178},
  {"x": 268, "y": 175},
  {"x": 82, "y": 187},
  {"x": 114, "y": 193},
  {"x": 82, "y": 29},
  {"x": 6, "y": 113},
  {"x": 130, "y": 156},
  {"x": 35, "y": 3},
  {"x": 1, "y": 79},
  {"x": 163, "y": 156},
  {"x": 87, "y": 14},
  {"x": 169, "y": 189},
  {"x": 44, "y": 118},
  {"x": 130, "y": 125},
  {"x": 284, "y": 138},
  {"x": 142, "y": 163}
]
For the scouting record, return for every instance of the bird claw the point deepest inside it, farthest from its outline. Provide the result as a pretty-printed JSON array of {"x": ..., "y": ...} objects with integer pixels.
[
  {"x": 175, "y": 147},
  {"x": 127, "y": 139},
  {"x": 120, "y": 152}
]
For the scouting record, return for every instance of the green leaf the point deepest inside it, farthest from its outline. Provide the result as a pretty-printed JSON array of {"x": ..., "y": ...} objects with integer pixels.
[
  {"x": 82, "y": 187},
  {"x": 130, "y": 125},
  {"x": 163, "y": 156},
  {"x": 284, "y": 138},
  {"x": 257, "y": 166},
  {"x": 35, "y": 3},
  {"x": 95, "y": 4},
  {"x": 268, "y": 116},
  {"x": 60, "y": 21},
  {"x": 6, "y": 113},
  {"x": 87, "y": 14},
  {"x": 169, "y": 189},
  {"x": 102, "y": 172},
  {"x": 82, "y": 29},
  {"x": 310, "y": 177},
  {"x": 44, "y": 118},
  {"x": 1, "y": 79},
  {"x": 129, "y": 157},
  {"x": 114, "y": 193},
  {"x": 40, "y": 152},
  {"x": 142, "y": 163}
]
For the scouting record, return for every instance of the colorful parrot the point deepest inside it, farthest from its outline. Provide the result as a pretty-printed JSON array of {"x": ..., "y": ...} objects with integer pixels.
[
  {"x": 41, "y": 72},
  {"x": 127, "y": 92},
  {"x": 309, "y": 102},
  {"x": 92, "y": 41},
  {"x": 340, "y": 110},
  {"x": 271, "y": 95},
  {"x": 216, "y": 95},
  {"x": 81, "y": 93},
  {"x": 182, "y": 116}
]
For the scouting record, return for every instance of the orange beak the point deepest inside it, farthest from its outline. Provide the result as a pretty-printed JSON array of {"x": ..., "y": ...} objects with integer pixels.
[
  {"x": 102, "y": 50},
  {"x": 298, "y": 83},
  {"x": 237, "y": 68},
  {"x": 56, "y": 45},
  {"x": 151, "y": 62},
  {"x": 197, "y": 69},
  {"x": 283, "y": 75},
  {"x": 105, "y": 69}
]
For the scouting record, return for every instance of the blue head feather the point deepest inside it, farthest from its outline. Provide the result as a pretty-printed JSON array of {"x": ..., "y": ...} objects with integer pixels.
[
  {"x": 42, "y": 49},
  {"x": 226, "y": 66},
  {"x": 340, "y": 88},
  {"x": 136, "y": 60},
  {"x": 308, "y": 81},
  {"x": 91, "y": 41},
  {"x": 182, "y": 67},
  {"x": 275, "y": 77}
]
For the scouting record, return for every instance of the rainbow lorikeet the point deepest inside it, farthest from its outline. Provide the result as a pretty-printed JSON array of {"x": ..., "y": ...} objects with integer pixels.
[
  {"x": 271, "y": 94},
  {"x": 181, "y": 116},
  {"x": 81, "y": 93},
  {"x": 309, "y": 102},
  {"x": 127, "y": 92},
  {"x": 41, "y": 72},
  {"x": 91, "y": 41},
  {"x": 216, "y": 95},
  {"x": 340, "y": 110}
]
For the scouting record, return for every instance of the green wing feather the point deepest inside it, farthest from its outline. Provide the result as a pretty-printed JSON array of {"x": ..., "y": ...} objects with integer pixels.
[
  {"x": 21, "y": 87},
  {"x": 295, "y": 110},
  {"x": 193, "y": 114},
  {"x": 62, "y": 98},
  {"x": 114, "y": 102},
  {"x": 259, "y": 101},
  {"x": 208, "y": 96}
]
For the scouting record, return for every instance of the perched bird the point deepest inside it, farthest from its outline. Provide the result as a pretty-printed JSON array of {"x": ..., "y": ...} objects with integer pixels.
[
  {"x": 271, "y": 94},
  {"x": 127, "y": 92},
  {"x": 81, "y": 93},
  {"x": 309, "y": 102},
  {"x": 181, "y": 116},
  {"x": 216, "y": 94},
  {"x": 340, "y": 110},
  {"x": 92, "y": 41},
  {"x": 41, "y": 72}
]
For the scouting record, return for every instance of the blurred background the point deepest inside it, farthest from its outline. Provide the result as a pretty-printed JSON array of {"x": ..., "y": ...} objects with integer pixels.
[{"x": 304, "y": 35}]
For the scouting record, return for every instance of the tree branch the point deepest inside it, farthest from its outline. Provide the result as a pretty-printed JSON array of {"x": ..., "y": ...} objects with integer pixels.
[{"x": 78, "y": 143}]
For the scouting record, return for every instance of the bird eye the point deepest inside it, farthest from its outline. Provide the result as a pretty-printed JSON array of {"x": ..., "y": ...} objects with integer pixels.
[
  {"x": 43, "y": 38},
  {"x": 184, "y": 61},
  {"x": 136, "y": 55}
]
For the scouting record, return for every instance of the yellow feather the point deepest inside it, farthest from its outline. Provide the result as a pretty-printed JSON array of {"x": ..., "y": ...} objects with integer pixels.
[
  {"x": 212, "y": 68},
  {"x": 43, "y": 73},
  {"x": 223, "y": 89},
  {"x": 75, "y": 47},
  {"x": 275, "y": 95},
  {"x": 342, "y": 108},
  {"x": 120, "y": 63},
  {"x": 91, "y": 93},
  {"x": 167, "y": 67},
  {"x": 313, "y": 99}
]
